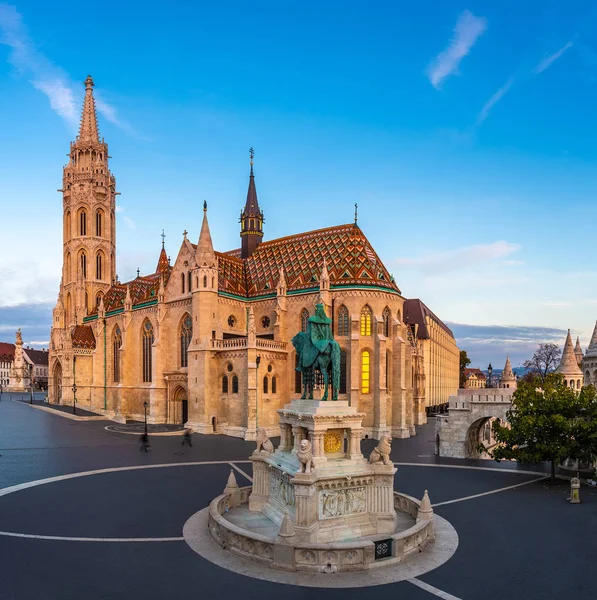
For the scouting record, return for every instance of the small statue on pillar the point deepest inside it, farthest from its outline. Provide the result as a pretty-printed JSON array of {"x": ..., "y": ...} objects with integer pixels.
[{"x": 305, "y": 456}]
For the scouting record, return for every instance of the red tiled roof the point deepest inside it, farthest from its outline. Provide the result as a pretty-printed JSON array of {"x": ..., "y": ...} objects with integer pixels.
[
  {"x": 349, "y": 256},
  {"x": 7, "y": 351},
  {"x": 82, "y": 337},
  {"x": 477, "y": 372}
]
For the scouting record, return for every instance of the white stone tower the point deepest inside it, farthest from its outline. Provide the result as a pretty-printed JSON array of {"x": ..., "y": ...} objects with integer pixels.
[
  {"x": 578, "y": 352},
  {"x": 589, "y": 363},
  {"x": 508, "y": 379},
  {"x": 568, "y": 366}
]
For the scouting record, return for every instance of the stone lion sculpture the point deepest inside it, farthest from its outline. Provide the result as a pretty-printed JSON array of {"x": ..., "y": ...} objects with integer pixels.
[
  {"x": 305, "y": 456},
  {"x": 382, "y": 451},
  {"x": 263, "y": 442}
]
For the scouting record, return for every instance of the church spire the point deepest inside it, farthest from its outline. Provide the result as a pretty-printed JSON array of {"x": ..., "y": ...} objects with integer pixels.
[
  {"x": 163, "y": 263},
  {"x": 593, "y": 342},
  {"x": 578, "y": 351},
  {"x": 251, "y": 217},
  {"x": 568, "y": 366},
  {"x": 88, "y": 131},
  {"x": 205, "y": 249}
]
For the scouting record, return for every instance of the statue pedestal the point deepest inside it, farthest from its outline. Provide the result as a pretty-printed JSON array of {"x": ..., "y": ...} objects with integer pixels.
[{"x": 343, "y": 497}]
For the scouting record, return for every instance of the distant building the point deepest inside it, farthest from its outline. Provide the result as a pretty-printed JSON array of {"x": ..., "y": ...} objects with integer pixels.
[
  {"x": 18, "y": 366},
  {"x": 568, "y": 367},
  {"x": 507, "y": 378},
  {"x": 38, "y": 362},
  {"x": 441, "y": 355},
  {"x": 474, "y": 379},
  {"x": 7, "y": 357}
]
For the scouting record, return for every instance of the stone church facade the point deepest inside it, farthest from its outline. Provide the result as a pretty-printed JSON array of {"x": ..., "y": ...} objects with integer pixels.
[{"x": 206, "y": 341}]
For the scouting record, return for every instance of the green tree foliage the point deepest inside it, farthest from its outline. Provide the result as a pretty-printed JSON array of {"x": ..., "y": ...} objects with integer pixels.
[
  {"x": 465, "y": 361},
  {"x": 548, "y": 422}
]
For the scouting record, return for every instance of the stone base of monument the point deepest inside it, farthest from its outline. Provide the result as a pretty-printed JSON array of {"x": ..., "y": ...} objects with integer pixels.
[{"x": 316, "y": 503}]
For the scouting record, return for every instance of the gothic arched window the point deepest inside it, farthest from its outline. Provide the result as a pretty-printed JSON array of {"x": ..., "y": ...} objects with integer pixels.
[
  {"x": 386, "y": 315},
  {"x": 343, "y": 321},
  {"x": 189, "y": 276},
  {"x": 68, "y": 268},
  {"x": 366, "y": 321},
  {"x": 147, "y": 350},
  {"x": 225, "y": 384},
  {"x": 182, "y": 281},
  {"x": 83, "y": 260},
  {"x": 186, "y": 333},
  {"x": 365, "y": 372},
  {"x": 304, "y": 319},
  {"x": 99, "y": 218},
  {"x": 234, "y": 384},
  {"x": 116, "y": 345},
  {"x": 274, "y": 385},
  {"x": 98, "y": 266},
  {"x": 265, "y": 385},
  {"x": 82, "y": 223}
]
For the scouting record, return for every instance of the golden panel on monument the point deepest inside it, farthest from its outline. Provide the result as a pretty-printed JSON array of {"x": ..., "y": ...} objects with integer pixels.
[{"x": 333, "y": 441}]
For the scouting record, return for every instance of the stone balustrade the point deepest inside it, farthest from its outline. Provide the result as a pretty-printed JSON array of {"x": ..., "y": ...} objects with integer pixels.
[
  {"x": 270, "y": 344},
  {"x": 231, "y": 344},
  {"x": 355, "y": 555}
]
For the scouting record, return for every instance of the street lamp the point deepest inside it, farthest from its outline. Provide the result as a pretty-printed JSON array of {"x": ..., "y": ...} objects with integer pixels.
[
  {"x": 257, "y": 361},
  {"x": 74, "y": 397},
  {"x": 31, "y": 384},
  {"x": 145, "y": 409},
  {"x": 0, "y": 391},
  {"x": 490, "y": 371}
]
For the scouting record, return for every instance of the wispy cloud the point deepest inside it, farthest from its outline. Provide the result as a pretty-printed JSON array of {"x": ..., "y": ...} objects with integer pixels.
[
  {"x": 129, "y": 222},
  {"x": 460, "y": 258},
  {"x": 549, "y": 60},
  {"x": 64, "y": 96},
  {"x": 494, "y": 100},
  {"x": 466, "y": 32},
  {"x": 492, "y": 343}
]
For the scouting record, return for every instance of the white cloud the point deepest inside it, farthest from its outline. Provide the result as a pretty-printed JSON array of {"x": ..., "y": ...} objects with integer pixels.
[
  {"x": 549, "y": 60},
  {"x": 494, "y": 100},
  {"x": 466, "y": 32},
  {"x": 119, "y": 209},
  {"x": 129, "y": 222},
  {"x": 460, "y": 258},
  {"x": 65, "y": 97}
]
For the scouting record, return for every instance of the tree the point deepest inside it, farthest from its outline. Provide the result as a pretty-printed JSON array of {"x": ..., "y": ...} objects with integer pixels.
[
  {"x": 465, "y": 361},
  {"x": 544, "y": 361},
  {"x": 548, "y": 422}
]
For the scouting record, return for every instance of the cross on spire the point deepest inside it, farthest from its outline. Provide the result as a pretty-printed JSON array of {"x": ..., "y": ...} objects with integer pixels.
[
  {"x": 356, "y": 213},
  {"x": 163, "y": 239},
  {"x": 88, "y": 131}
]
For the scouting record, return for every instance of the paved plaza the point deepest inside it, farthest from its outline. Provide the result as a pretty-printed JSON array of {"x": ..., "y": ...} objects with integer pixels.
[{"x": 109, "y": 523}]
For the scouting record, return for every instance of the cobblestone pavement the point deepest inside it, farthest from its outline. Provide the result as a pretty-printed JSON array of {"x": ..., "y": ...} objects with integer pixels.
[{"x": 526, "y": 542}]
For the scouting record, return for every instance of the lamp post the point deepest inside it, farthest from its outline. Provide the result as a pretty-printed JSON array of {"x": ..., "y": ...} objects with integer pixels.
[
  {"x": 145, "y": 409},
  {"x": 257, "y": 361},
  {"x": 490, "y": 371},
  {"x": 0, "y": 392},
  {"x": 31, "y": 384},
  {"x": 74, "y": 384}
]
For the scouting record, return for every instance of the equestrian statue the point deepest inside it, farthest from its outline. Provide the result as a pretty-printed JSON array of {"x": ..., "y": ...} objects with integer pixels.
[{"x": 317, "y": 349}]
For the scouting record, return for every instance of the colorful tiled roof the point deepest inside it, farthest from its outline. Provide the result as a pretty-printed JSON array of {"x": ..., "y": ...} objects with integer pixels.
[
  {"x": 163, "y": 263},
  {"x": 82, "y": 337},
  {"x": 350, "y": 260}
]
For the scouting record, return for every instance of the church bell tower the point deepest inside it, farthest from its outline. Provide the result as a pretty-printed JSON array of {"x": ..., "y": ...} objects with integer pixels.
[
  {"x": 89, "y": 225},
  {"x": 251, "y": 218}
]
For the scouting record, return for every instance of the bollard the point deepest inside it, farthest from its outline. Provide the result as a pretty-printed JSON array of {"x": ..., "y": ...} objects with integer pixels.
[{"x": 574, "y": 490}]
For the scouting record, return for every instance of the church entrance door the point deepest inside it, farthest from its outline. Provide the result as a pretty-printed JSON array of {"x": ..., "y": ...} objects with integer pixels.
[
  {"x": 185, "y": 411},
  {"x": 57, "y": 383}
]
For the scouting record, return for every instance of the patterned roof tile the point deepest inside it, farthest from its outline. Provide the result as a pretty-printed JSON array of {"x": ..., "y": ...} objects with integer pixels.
[{"x": 82, "y": 337}]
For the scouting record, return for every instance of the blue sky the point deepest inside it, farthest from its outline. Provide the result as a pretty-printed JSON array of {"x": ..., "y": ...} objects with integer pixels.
[{"x": 465, "y": 131}]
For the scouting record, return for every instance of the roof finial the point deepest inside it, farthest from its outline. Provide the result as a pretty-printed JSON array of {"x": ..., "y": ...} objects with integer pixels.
[
  {"x": 163, "y": 239},
  {"x": 356, "y": 213},
  {"x": 184, "y": 233},
  {"x": 138, "y": 272},
  {"x": 89, "y": 83},
  {"x": 205, "y": 206},
  {"x": 252, "y": 155}
]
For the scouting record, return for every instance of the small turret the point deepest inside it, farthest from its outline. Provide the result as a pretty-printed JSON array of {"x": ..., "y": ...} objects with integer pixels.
[
  {"x": 568, "y": 366},
  {"x": 251, "y": 218},
  {"x": 578, "y": 351},
  {"x": 204, "y": 254}
]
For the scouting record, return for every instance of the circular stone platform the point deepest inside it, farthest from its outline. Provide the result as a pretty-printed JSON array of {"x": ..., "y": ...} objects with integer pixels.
[
  {"x": 152, "y": 429},
  {"x": 197, "y": 536}
]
